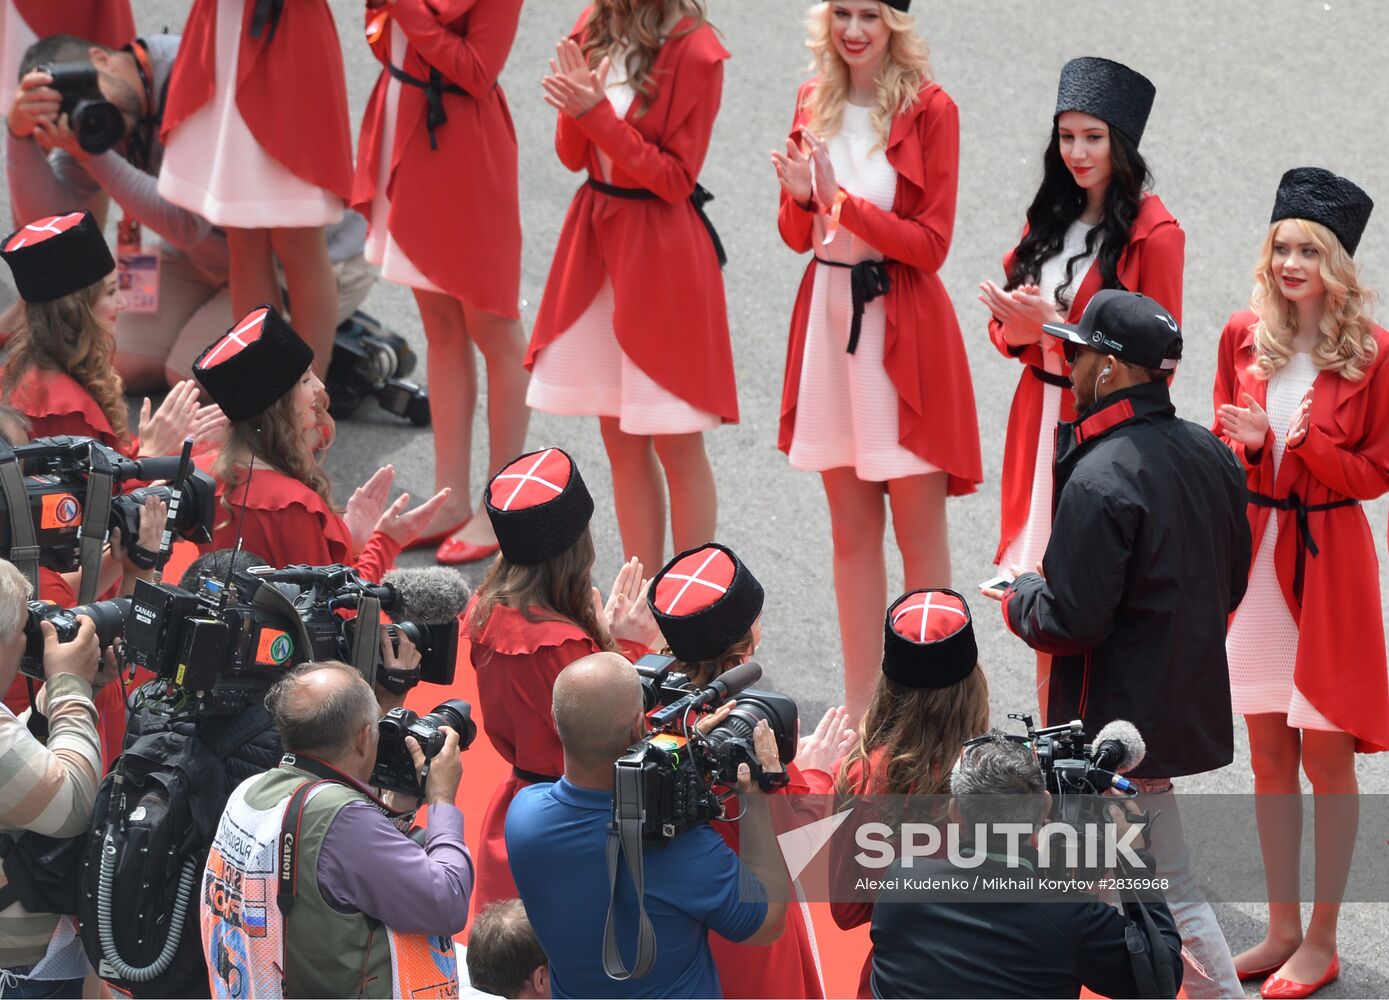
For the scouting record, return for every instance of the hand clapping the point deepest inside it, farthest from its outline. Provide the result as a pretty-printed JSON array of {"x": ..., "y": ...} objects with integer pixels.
[{"x": 570, "y": 86}]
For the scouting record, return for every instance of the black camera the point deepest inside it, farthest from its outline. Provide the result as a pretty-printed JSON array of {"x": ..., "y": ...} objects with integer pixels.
[
  {"x": 56, "y": 472},
  {"x": 97, "y": 123},
  {"x": 676, "y": 772},
  {"x": 395, "y": 769},
  {"x": 1073, "y": 764},
  {"x": 370, "y": 361},
  {"x": 108, "y": 617}
]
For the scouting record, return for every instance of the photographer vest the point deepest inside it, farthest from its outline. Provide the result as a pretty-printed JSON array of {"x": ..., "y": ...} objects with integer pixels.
[{"x": 334, "y": 953}]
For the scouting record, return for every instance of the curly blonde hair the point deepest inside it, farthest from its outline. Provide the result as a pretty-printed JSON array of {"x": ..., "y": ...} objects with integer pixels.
[
  {"x": 1347, "y": 342},
  {"x": 636, "y": 26},
  {"x": 63, "y": 335},
  {"x": 906, "y": 69},
  {"x": 274, "y": 438}
]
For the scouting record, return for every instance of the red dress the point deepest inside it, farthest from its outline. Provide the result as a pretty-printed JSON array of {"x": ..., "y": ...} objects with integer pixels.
[
  {"x": 1151, "y": 263},
  {"x": 517, "y": 661},
  {"x": 1341, "y": 665},
  {"x": 468, "y": 184},
  {"x": 56, "y": 404},
  {"x": 105, "y": 22},
  {"x": 924, "y": 353},
  {"x": 288, "y": 524},
  {"x": 669, "y": 312},
  {"x": 290, "y": 88}
]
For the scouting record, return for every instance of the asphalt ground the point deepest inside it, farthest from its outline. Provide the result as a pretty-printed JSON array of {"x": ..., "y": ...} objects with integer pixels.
[{"x": 1246, "y": 89}]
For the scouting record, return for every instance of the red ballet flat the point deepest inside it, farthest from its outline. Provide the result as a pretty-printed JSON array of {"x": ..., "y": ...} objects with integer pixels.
[
  {"x": 456, "y": 552},
  {"x": 1260, "y": 973},
  {"x": 431, "y": 540},
  {"x": 1278, "y": 988}
]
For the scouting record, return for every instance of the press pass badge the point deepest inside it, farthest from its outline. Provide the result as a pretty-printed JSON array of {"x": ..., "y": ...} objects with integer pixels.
[{"x": 137, "y": 271}]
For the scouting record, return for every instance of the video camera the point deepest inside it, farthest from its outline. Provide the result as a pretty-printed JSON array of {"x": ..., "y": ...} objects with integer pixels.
[
  {"x": 371, "y": 361},
  {"x": 226, "y": 644},
  {"x": 56, "y": 471},
  {"x": 395, "y": 769},
  {"x": 1073, "y": 765},
  {"x": 97, "y": 123},
  {"x": 107, "y": 616},
  {"x": 670, "y": 779}
]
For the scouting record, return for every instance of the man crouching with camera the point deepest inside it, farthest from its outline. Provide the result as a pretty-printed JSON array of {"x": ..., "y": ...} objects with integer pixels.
[
  {"x": 311, "y": 888},
  {"x": 557, "y": 843}
]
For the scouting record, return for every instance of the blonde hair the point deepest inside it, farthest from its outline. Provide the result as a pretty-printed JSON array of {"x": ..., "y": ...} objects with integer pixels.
[
  {"x": 63, "y": 335},
  {"x": 274, "y": 439},
  {"x": 14, "y": 593},
  {"x": 1346, "y": 345},
  {"x": 906, "y": 69},
  {"x": 636, "y": 26}
]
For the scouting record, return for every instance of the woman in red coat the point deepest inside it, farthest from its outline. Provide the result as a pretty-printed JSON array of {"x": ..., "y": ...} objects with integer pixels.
[
  {"x": 535, "y": 613},
  {"x": 868, "y": 184},
  {"x": 633, "y": 327},
  {"x": 1302, "y": 396},
  {"x": 1090, "y": 226},
  {"x": 436, "y": 175},
  {"x": 257, "y": 141},
  {"x": 276, "y": 500}
]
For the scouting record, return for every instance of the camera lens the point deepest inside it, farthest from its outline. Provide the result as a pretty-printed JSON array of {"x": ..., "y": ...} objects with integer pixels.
[
  {"x": 107, "y": 616},
  {"x": 458, "y": 716},
  {"x": 99, "y": 125},
  {"x": 753, "y": 706}
]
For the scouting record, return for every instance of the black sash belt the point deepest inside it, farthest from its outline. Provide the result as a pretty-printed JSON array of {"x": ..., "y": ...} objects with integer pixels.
[
  {"x": 698, "y": 198},
  {"x": 533, "y": 777},
  {"x": 1050, "y": 378},
  {"x": 434, "y": 90},
  {"x": 266, "y": 15},
  {"x": 868, "y": 279},
  {"x": 1305, "y": 542}
]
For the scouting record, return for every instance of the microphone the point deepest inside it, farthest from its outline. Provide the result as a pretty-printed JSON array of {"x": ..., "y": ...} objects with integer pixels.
[
  {"x": 430, "y": 595},
  {"x": 1119, "y": 746},
  {"x": 147, "y": 469},
  {"x": 731, "y": 682}
]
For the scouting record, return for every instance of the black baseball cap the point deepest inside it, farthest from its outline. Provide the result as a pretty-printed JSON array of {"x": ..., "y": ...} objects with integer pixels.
[{"x": 1130, "y": 326}]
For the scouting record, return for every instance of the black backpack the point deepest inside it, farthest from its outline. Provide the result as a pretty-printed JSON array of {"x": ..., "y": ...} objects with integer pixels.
[{"x": 152, "y": 826}]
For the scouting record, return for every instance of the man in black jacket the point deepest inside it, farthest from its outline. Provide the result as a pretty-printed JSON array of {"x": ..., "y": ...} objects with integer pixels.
[{"x": 1149, "y": 555}]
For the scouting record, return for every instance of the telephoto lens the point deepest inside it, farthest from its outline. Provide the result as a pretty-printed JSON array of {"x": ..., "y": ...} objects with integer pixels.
[{"x": 108, "y": 617}]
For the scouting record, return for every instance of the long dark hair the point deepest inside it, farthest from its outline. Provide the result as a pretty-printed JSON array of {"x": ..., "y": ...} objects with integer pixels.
[{"x": 1060, "y": 201}]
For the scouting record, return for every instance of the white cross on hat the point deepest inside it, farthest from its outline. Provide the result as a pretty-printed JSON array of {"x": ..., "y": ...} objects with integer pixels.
[
  {"x": 233, "y": 339},
  {"x": 688, "y": 580},
  {"x": 522, "y": 478},
  {"x": 928, "y": 604}
]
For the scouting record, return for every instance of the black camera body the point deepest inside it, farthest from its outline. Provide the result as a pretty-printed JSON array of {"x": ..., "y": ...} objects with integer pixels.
[
  {"x": 395, "y": 769},
  {"x": 370, "y": 361},
  {"x": 1072, "y": 763},
  {"x": 676, "y": 770},
  {"x": 97, "y": 123},
  {"x": 108, "y": 617}
]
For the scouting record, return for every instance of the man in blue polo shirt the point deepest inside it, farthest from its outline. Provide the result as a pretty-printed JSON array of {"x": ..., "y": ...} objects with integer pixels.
[{"x": 557, "y": 837}]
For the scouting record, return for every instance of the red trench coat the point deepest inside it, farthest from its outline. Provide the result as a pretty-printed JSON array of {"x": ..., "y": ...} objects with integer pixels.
[
  {"x": 669, "y": 312},
  {"x": 290, "y": 89},
  {"x": 454, "y": 210},
  {"x": 924, "y": 354},
  {"x": 1152, "y": 263},
  {"x": 106, "y": 22},
  {"x": 1340, "y": 666}
]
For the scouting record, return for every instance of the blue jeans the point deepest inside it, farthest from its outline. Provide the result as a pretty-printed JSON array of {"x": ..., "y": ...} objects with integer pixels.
[{"x": 13, "y": 984}]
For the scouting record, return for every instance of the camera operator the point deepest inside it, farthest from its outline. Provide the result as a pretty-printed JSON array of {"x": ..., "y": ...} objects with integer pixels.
[
  {"x": 1046, "y": 943},
  {"x": 1149, "y": 555},
  {"x": 504, "y": 957},
  {"x": 354, "y": 871},
  {"x": 44, "y": 788},
  {"x": 557, "y": 842},
  {"x": 50, "y": 174}
]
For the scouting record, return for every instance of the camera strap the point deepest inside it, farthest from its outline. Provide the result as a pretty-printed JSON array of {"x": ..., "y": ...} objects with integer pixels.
[
  {"x": 624, "y": 839},
  {"x": 366, "y": 640},
  {"x": 96, "y": 515},
  {"x": 24, "y": 546},
  {"x": 1147, "y": 950}
]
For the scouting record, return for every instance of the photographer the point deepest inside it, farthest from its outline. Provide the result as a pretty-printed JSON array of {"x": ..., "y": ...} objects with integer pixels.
[
  {"x": 353, "y": 870},
  {"x": 49, "y": 173},
  {"x": 557, "y": 842},
  {"x": 1045, "y": 943},
  {"x": 44, "y": 788}
]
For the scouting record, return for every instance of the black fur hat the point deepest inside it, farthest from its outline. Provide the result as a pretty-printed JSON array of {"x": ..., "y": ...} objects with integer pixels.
[
  {"x": 538, "y": 505},
  {"x": 704, "y": 600},
  {"x": 1320, "y": 196},
  {"x": 1109, "y": 91},
  {"x": 56, "y": 256},
  {"x": 902, "y": 5},
  {"x": 928, "y": 640},
  {"x": 253, "y": 364}
]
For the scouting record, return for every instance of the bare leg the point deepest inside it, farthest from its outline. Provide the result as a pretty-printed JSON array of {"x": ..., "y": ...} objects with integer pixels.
[
  {"x": 453, "y": 370},
  {"x": 858, "y": 519},
  {"x": 252, "y": 279},
  {"x": 1274, "y": 751},
  {"x": 313, "y": 290},
  {"x": 639, "y": 494},
  {"x": 503, "y": 346},
  {"x": 1329, "y": 760},
  {"x": 919, "y": 524},
  {"x": 693, "y": 496},
  {"x": 1043, "y": 686},
  {"x": 140, "y": 374}
]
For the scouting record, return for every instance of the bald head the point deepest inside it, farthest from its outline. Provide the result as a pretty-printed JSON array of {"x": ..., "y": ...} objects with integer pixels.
[
  {"x": 319, "y": 708},
  {"x": 597, "y": 702}
]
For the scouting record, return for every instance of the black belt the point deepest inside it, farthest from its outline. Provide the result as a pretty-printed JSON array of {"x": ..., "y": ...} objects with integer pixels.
[
  {"x": 266, "y": 14},
  {"x": 1305, "y": 542},
  {"x": 533, "y": 777},
  {"x": 698, "y": 198},
  {"x": 1050, "y": 378},
  {"x": 434, "y": 90},
  {"x": 868, "y": 279}
]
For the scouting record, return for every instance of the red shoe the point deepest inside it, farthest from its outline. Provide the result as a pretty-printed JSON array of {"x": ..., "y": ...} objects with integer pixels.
[
  {"x": 429, "y": 541},
  {"x": 1260, "y": 973},
  {"x": 456, "y": 552},
  {"x": 1278, "y": 988}
]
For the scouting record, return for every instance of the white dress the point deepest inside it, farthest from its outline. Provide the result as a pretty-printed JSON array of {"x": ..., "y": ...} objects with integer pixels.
[
  {"x": 214, "y": 166},
  {"x": 847, "y": 417},
  {"x": 1026, "y": 550},
  {"x": 585, "y": 371},
  {"x": 382, "y": 249},
  {"x": 1262, "y": 644}
]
